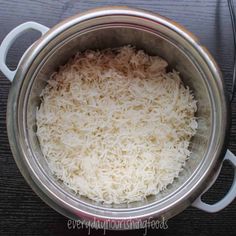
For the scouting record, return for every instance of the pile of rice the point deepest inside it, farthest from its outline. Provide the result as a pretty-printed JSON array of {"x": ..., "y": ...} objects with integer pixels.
[{"x": 114, "y": 126}]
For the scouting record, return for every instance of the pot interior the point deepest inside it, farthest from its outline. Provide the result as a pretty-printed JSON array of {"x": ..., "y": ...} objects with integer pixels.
[{"x": 58, "y": 52}]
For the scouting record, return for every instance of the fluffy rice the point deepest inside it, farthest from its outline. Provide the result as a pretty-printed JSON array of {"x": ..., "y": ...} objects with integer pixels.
[{"x": 114, "y": 126}]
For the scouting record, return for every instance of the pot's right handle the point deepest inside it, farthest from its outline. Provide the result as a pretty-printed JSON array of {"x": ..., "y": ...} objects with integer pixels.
[
  {"x": 229, "y": 197},
  {"x": 10, "y": 39}
]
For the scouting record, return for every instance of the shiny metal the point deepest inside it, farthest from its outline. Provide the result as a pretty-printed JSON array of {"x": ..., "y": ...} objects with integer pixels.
[{"x": 114, "y": 27}]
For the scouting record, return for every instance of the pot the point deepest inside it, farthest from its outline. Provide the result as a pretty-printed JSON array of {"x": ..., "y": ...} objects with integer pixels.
[{"x": 113, "y": 27}]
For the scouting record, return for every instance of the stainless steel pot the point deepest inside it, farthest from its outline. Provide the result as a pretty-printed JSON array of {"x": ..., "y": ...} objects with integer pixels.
[{"x": 113, "y": 27}]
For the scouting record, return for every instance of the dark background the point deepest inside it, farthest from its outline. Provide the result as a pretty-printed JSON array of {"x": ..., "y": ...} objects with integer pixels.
[{"x": 22, "y": 212}]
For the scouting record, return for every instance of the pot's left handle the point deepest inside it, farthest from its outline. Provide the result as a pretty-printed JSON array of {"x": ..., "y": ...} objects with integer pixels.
[
  {"x": 228, "y": 198},
  {"x": 10, "y": 39}
]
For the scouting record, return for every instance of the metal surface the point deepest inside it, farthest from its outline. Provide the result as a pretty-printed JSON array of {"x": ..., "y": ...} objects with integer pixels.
[{"x": 113, "y": 27}]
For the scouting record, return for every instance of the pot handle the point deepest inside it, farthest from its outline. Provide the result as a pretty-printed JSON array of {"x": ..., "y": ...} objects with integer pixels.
[
  {"x": 229, "y": 197},
  {"x": 10, "y": 39}
]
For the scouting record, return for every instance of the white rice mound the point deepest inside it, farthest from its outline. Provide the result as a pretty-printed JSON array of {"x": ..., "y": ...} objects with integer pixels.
[{"x": 114, "y": 126}]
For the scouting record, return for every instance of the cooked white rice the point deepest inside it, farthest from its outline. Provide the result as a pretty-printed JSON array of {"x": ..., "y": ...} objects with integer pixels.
[{"x": 114, "y": 126}]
